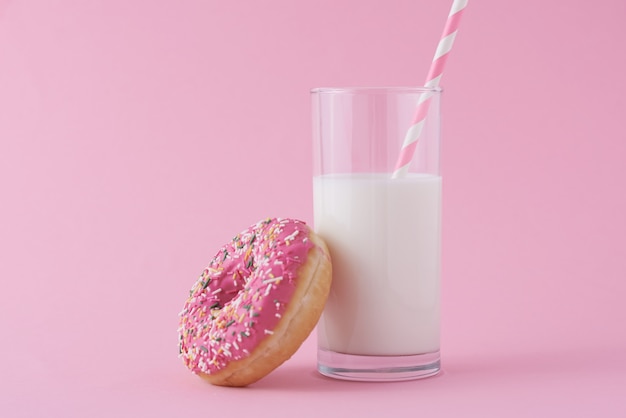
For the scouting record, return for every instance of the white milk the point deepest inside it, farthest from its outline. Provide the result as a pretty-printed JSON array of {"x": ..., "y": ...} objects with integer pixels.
[{"x": 384, "y": 238}]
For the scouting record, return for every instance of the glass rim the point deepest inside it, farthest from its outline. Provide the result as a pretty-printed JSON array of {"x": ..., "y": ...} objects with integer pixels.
[{"x": 379, "y": 89}]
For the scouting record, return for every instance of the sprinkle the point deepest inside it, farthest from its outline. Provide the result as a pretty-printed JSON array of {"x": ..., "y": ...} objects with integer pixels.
[
  {"x": 267, "y": 331},
  {"x": 292, "y": 236},
  {"x": 216, "y": 291},
  {"x": 274, "y": 280}
]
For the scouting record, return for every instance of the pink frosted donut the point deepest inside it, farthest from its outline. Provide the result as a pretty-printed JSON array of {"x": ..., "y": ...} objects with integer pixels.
[{"x": 255, "y": 303}]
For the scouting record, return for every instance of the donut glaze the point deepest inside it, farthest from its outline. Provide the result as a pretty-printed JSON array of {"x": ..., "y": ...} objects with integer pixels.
[{"x": 240, "y": 297}]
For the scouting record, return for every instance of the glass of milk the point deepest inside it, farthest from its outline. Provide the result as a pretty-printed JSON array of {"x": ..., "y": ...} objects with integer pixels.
[{"x": 381, "y": 321}]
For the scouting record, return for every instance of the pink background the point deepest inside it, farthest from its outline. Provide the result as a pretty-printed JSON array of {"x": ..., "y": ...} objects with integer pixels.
[{"x": 138, "y": 136}]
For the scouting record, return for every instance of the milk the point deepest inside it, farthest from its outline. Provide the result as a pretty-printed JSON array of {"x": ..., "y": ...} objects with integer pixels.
[{"x": 384, "y": 239}]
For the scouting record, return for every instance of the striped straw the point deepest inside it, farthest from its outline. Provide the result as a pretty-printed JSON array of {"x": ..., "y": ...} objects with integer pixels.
[{"x": 432, "y": 81}]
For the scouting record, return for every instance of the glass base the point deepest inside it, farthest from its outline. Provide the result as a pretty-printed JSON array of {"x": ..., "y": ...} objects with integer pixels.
[{"x": 377, "y": 368}]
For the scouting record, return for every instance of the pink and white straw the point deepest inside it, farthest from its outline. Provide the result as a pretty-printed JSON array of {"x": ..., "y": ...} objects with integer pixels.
[{"x": 432, "y": 81}]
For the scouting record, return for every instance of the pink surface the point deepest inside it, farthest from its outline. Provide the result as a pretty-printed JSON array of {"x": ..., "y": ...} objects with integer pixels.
[{"x": 137, "y": 137}]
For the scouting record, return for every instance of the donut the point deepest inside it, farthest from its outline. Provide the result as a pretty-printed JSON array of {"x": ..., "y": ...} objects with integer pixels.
[{"x": 255, "y": 303}]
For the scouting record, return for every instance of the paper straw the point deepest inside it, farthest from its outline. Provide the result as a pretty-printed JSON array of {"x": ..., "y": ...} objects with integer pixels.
[{"x": 432, "y": 81}]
